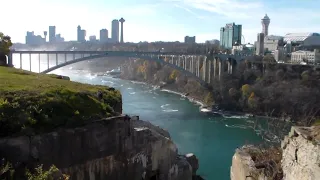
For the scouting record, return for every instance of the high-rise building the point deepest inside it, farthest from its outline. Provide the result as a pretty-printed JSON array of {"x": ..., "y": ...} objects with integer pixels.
[
  {"x": 81, "y": 34},
  {"x": 230, "y": 35},
  {"x": 260, "y": 44},
  {"x": 52, "y": 34},
  {"x": 265, "y": 21},
  {"x": 59, "y": 38},
  {"x": 115, "y": 31},
  {"x": 190, "y": 40},
  {"x": 103, "y": 35},
  {"x": 92, "y": 38},
  {"x": 32, "y": 39}
]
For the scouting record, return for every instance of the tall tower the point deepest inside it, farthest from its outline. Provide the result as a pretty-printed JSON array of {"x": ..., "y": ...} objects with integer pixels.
[
  {"x": 52, "y": 33},
  {"x": 265, "y": 25},
  {"x": 121, "y": 21},
  {"x": 115, "y": 31}
]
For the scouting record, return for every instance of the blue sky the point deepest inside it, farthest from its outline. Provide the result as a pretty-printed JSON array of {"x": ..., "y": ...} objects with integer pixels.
[{"x": 155, "y": 20}]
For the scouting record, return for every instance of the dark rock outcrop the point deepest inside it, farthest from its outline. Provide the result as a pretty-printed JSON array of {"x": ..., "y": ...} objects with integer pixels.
[{"x": 113, "y": 148}]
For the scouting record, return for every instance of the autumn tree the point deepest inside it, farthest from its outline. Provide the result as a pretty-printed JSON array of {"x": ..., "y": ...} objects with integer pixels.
[
  {"x": 252, "y": 101},
  {"x": 209, "y": 99},
  {"x": 246, "y": 90}
]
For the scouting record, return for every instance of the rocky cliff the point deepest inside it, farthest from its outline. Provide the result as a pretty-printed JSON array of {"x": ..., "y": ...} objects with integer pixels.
[
  {"x": 48, "y": 120},
  {"x": 298, "y": 158},
  {"x": 112, "y": 148}
]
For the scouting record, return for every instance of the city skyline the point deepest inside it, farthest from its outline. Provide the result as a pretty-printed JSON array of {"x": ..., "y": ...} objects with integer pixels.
[{"x": 160, "y": 20}]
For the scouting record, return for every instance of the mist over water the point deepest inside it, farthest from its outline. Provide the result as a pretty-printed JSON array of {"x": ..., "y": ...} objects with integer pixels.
[{"x": 44, "y": 60}]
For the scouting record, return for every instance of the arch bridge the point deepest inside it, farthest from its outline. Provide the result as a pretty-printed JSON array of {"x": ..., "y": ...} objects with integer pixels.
[{"x": 203, "y": 68}]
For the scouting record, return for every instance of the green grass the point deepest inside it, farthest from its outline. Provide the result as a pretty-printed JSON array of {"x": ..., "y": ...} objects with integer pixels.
[{"x": 37, "y": 103}]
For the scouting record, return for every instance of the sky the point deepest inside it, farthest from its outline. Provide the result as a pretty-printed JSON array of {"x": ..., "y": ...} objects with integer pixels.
[{"x": 158, "y": 20}]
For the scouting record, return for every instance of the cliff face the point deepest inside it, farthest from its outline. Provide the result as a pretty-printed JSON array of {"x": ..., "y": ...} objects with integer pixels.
[
  {"x": 165, "y": 77},
  {"x": 113, "y": 148},
  {"x": 301, "y": 154},
  {"x": 300, "y": 158}
]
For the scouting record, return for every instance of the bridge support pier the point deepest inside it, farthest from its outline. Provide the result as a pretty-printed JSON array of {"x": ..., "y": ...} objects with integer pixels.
[
  {"x": 39, "y": 61},
  {"x": 221, "y": 68},
  {"x": 229, "y": 66},
  {"x": 215, "y": 67},
  {"x": 209, "y": 71},
  {"x": 186, "y": 63},
  {"x": 192, "y": 65},
  {"x": 20, "y": 61},
  {"x": 48, "y": 61},
  {"x": 204, "y": 69},
  {"x": 30, "y": 66},
  {"x": 57, "y": 60},
  {"x": 10, "y": 62},
  {"x": 198, "y": 67}
]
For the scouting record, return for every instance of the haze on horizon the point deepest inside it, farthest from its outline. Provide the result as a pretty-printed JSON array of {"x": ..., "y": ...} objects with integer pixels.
[{"x": 159, "y": 20}]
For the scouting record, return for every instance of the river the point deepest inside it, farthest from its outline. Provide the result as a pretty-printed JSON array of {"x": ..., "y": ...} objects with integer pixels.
[{"x": 212, "y": 139}]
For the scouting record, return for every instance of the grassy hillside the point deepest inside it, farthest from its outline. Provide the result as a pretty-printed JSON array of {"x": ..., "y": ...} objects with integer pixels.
[{"x": 36, "y": 103}]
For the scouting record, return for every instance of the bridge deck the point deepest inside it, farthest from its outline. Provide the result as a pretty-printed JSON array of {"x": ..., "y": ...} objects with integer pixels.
[{"x": 58, "y": 52}]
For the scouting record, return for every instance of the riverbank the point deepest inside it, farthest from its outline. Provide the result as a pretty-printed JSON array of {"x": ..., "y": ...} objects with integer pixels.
[
  {"x": 105, "y": 144},
  {"x": 191, "y": 130}
]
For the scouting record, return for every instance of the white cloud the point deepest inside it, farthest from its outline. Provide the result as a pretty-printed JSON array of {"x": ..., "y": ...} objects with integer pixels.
[
  {"x": 189, "y": 11},
  {"x": 153, "y": 22},
  {"x": 249, "y": 13}
]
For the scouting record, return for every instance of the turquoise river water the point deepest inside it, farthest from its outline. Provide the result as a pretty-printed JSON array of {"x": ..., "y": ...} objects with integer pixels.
[{"x": 212, "y": 139}]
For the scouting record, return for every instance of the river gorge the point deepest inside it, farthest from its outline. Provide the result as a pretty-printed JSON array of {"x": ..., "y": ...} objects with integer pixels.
[{"x": 212, "y": 139}]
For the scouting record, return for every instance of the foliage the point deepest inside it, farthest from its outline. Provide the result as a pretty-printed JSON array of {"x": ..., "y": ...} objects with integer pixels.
[
  {"x": 6, "y": 170},
  {"x": 142, "y": 69},
  {"x": 40, "y": 174},
  {"x": 252, "y": 101},
  {"x": 37, "y": 103},
  {"x": 269, "y": 59},
  {"x": 305, "y": 76},
  {"x": 173, "y": 75},
  {"x": 246, "y": 90},
  {"x": 286, "y": 91},
  {"x": 5, "y": 44},
  {"x": 209, "y": 99}
]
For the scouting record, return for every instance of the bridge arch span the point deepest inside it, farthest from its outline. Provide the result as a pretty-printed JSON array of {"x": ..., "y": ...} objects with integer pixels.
[{"x": 144, "y": 57}]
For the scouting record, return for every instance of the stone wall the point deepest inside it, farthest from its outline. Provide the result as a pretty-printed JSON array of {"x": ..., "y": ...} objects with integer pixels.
[{"x": 113, "y": 148}]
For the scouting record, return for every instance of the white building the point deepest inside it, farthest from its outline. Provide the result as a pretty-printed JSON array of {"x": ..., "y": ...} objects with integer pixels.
[
  {"x": 311, "y": 57},
  {"x": 280, "y": 54},
  {"x": 272, "y": 43},
  {"x": 244, "y": 49}
]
